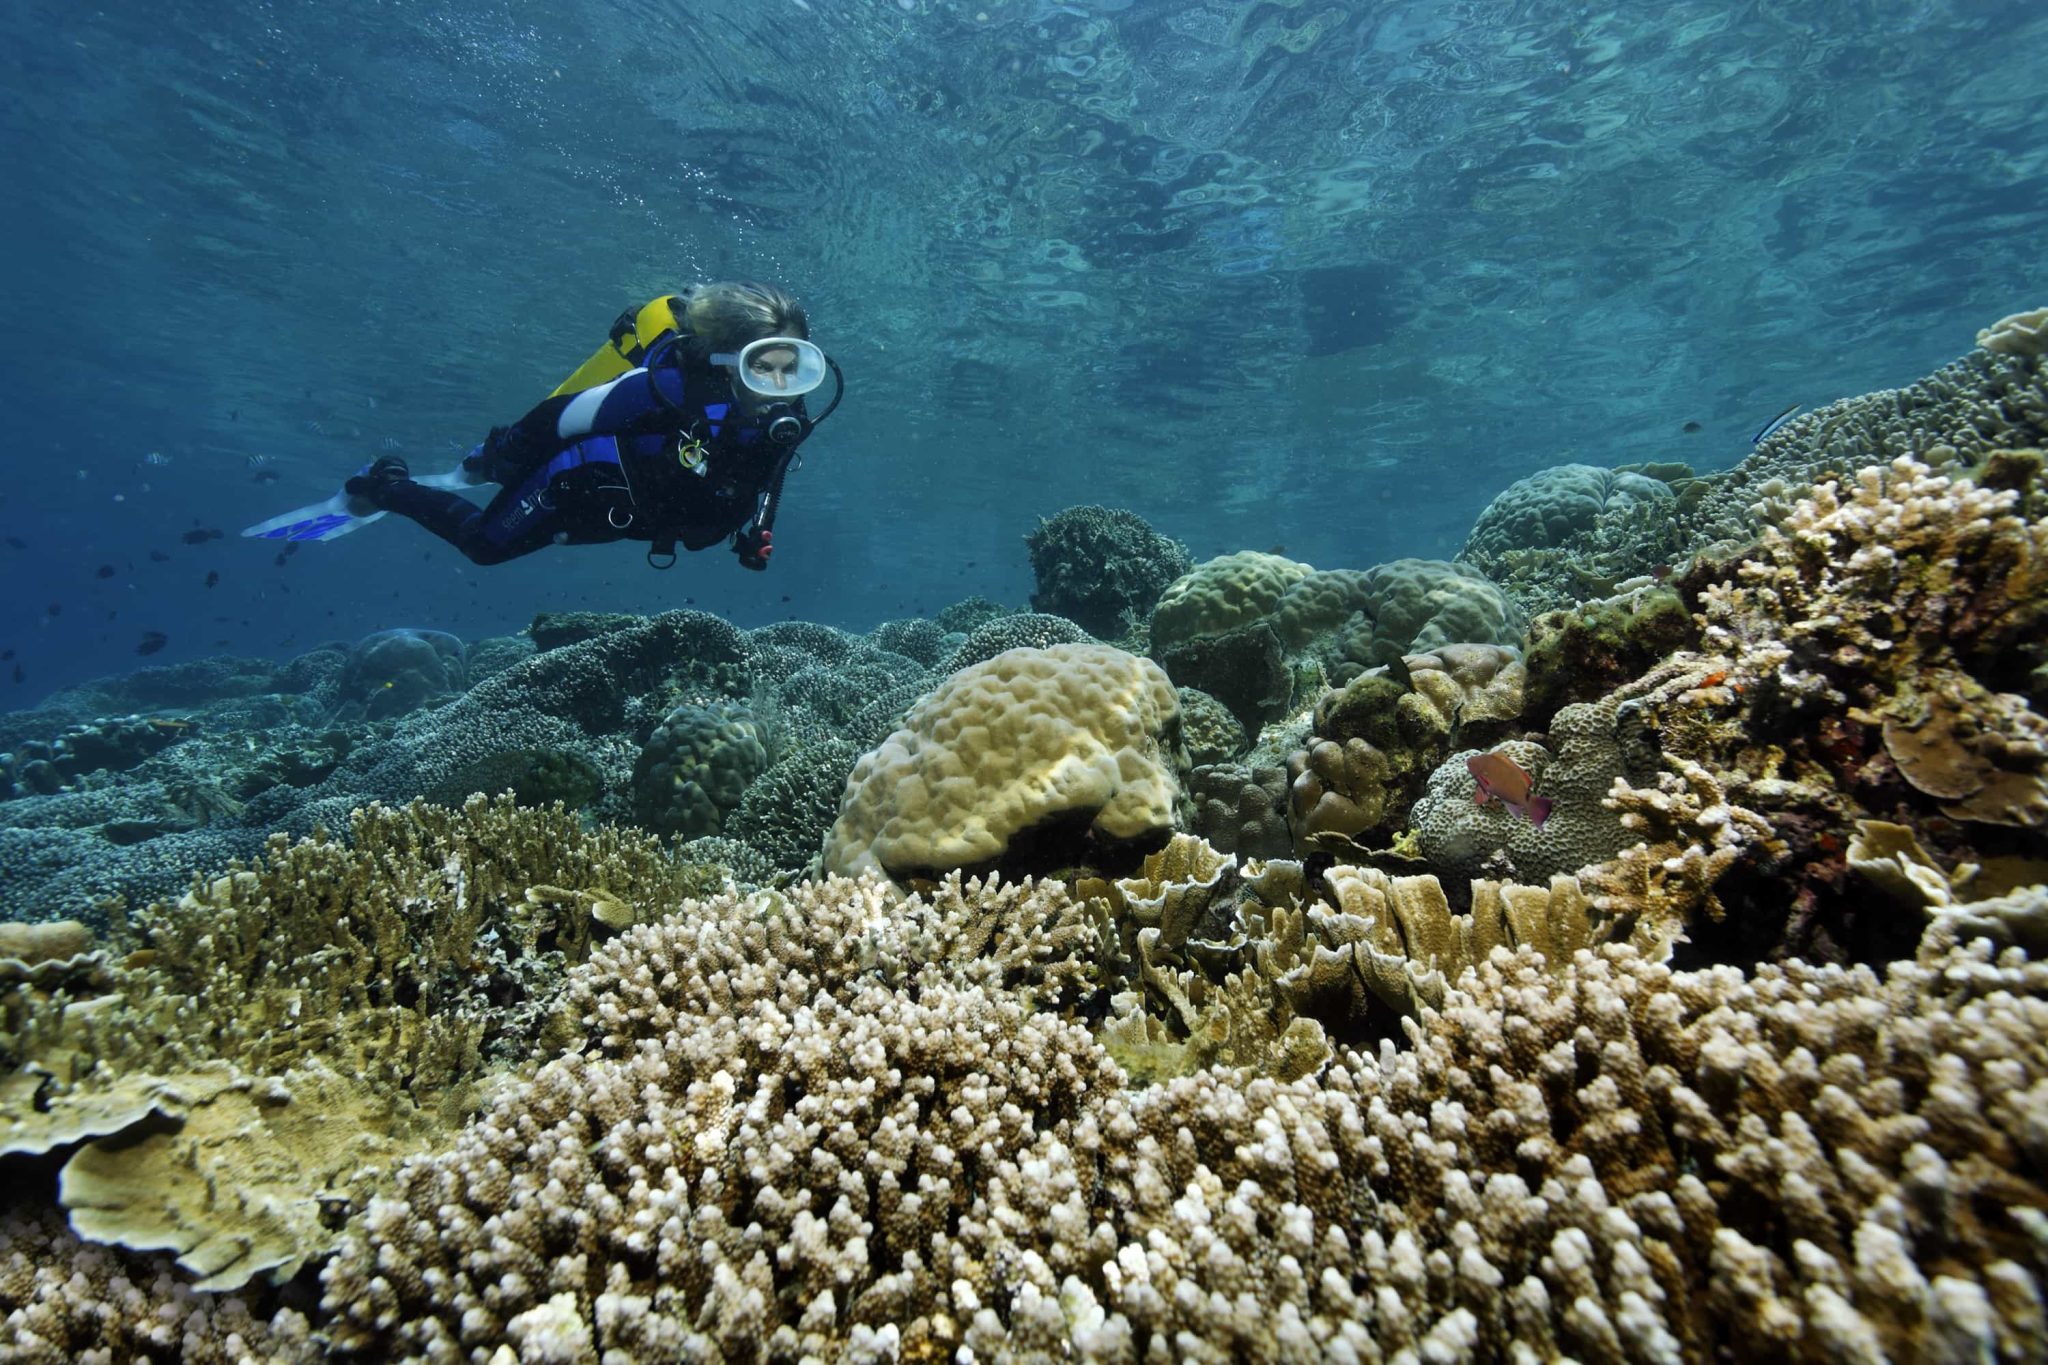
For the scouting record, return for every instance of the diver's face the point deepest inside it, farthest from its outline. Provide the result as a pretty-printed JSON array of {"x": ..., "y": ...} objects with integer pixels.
[{"x": 770, "y": 369}]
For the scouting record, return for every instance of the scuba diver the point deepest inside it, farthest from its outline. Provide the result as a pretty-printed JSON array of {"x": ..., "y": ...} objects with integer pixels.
[{"x": 680, "y": 429}]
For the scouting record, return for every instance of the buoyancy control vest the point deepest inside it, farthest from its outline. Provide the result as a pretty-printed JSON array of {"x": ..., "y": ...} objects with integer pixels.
[{"x": 634, "y": 333}]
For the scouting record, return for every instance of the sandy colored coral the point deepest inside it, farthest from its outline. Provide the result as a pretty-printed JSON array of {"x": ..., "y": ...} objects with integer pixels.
[
  {"x": 830, "y": 1124},
  {"x": 1691, "y": 834},
  {"x": 47, "y": 941},
  {"x": 1399, "y": 939},
  {"x": 1075, "y": 733},
  {"x": 1223, "y": 594},
  {"x": 2024, "y": 334},
  {"x": 65, "y": 1301},
  {"x": 1984, "y": 754}
]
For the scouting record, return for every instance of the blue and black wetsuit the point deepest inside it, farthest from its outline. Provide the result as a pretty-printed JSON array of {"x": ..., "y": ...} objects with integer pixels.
[{"x": 662, "y": 454}]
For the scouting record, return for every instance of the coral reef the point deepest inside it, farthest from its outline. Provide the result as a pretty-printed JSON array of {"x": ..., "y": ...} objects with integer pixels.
[
  {"x": 785, "y": 813},
  {"x": 1582, "y": 652},
  {"x": 1102, "y": 568},
  {"x": 2024, "y": 334},
  {"x": 1404, "y": 606},
  {"x": 836, "y": 1124},
  {"x": 1241, "y": 809},
  {"x": 68, "y": 1300},
  {"x": 1085, "y": 737},
  {"x": 1017, "y": 630},
  {"x": 1264, "y": 634},
  {"x": 1213, "y": 734},
  {"x": 1988, "y": 401},
  {"x": 1222, "y": 595},
  {"x": 1575, "y": 768}
]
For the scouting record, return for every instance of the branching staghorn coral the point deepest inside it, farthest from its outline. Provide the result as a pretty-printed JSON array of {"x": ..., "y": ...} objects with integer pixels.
[
  {"x": 1693, "y": 833},
  {"x": 1897, "y": 568}
]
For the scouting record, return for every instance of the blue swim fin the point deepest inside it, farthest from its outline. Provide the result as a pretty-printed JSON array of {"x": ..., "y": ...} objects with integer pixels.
[{"x": 338, "y": 515}]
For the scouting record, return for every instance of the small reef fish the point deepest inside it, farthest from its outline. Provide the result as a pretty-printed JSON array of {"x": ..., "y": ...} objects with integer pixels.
[
  {"x": 201, "y": 536},
  {"x": 1502, "y": 779},
  {"x": 1774, "y": 424},
  {"x": 152, "y": 641}
]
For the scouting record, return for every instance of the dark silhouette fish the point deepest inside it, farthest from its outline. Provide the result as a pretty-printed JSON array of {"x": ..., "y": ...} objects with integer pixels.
[
  {"x": 1773, "y": 424},
  {"x": 212, "y": 577},
  {"x": 159, "y": 557},
  {"x": 104, "y": 571},
  {"x": 201, "y": 536},
  {"x": 152, "y": 641}
]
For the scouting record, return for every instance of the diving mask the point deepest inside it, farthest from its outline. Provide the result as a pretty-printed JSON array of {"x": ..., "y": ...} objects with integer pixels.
[{"x": 776, "y": 367}]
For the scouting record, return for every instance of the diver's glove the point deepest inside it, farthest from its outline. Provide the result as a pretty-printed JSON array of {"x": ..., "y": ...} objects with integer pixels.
[
  {"x": 502, "y": 458},
  {"x": 376, "y": 478},
  {"x": 753, "y": 547}
]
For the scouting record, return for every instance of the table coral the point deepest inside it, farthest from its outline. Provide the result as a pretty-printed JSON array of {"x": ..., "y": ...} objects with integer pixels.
[{"x": 296, "y": 1021}]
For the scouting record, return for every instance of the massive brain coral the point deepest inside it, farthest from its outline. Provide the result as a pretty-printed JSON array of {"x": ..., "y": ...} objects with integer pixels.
[
  {"x": 1567, "y": 532},
  {"x": 1075, "y": 735},
  {"x": 1223, "y": 594}
]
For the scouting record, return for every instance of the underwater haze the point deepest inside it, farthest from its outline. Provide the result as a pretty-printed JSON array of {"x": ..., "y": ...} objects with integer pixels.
[{"x": 1323, "y": 276}]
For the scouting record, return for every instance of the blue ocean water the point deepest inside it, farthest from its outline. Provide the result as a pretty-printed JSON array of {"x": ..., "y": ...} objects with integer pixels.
[{"x": 1321, "y": 276}]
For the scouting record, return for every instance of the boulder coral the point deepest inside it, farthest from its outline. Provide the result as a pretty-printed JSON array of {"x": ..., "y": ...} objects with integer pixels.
[
  {"x": 1570, "y": 532},
  {"x": 1084, "y": 737},
  {"x": 695, "y": 767}
]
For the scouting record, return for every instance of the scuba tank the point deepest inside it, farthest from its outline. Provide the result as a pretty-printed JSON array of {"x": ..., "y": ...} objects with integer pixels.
[{"x": 632, "y": 335}]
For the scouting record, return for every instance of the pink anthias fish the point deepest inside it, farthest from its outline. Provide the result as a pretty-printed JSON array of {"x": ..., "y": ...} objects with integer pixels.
[{"x": 1502, "y": 779}]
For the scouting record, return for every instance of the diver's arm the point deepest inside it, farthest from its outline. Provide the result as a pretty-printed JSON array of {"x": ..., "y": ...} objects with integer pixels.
[{"x": 638, "y": 400}]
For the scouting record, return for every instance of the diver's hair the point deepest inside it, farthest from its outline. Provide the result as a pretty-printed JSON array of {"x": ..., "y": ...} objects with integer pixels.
[{"x": 728, "y": 314}]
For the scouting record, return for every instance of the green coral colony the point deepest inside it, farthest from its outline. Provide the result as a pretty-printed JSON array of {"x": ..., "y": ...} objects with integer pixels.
[{"x": 1135, "y": 977}]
